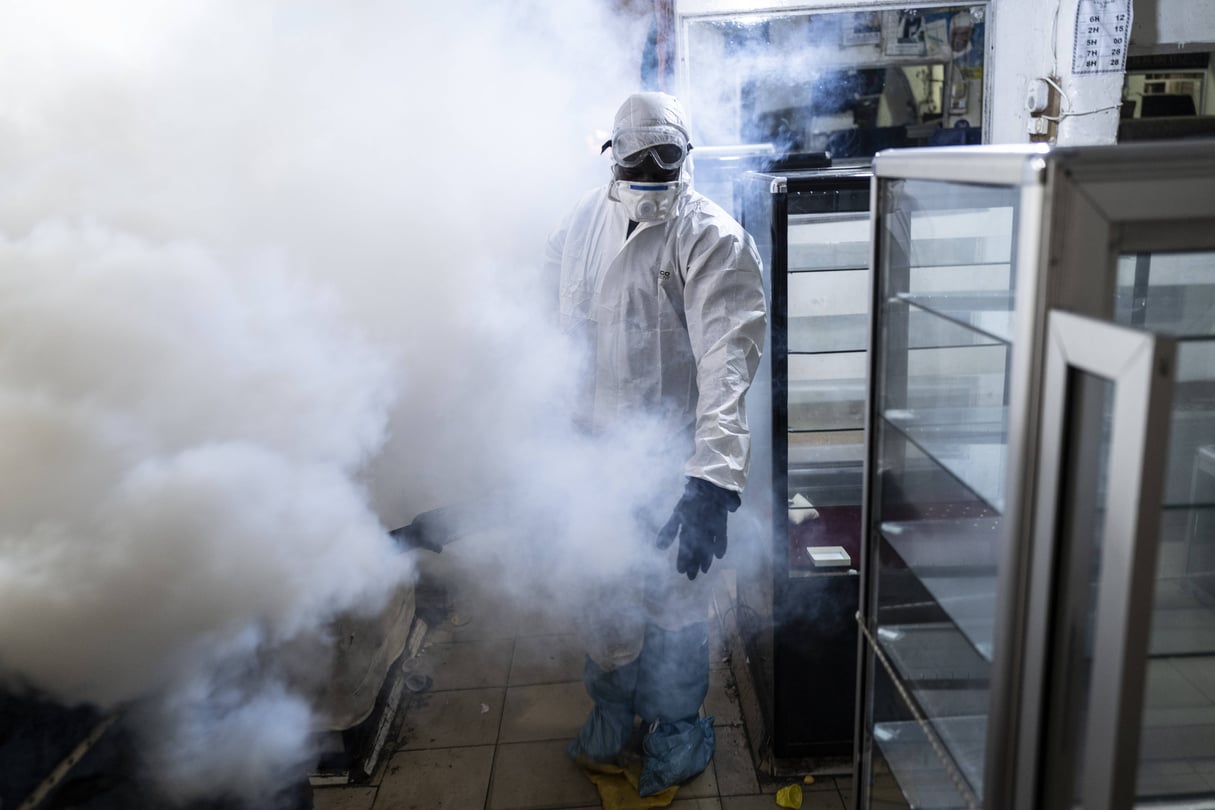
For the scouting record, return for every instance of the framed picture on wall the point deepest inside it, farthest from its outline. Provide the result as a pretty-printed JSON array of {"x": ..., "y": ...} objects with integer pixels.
[
  {"x": 862, "y": 28},
  {"x": 903, "y": 33}
]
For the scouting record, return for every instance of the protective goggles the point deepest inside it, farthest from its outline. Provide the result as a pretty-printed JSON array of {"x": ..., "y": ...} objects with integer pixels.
[{"x": 668, "y": 146}]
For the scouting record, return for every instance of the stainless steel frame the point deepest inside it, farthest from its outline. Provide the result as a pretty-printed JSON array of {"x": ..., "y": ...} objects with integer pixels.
[
  {"x": 1140, "y": 366},
  {"x": 1112, "y": 207},
  {"x": 1079, "y": 210},
  {"x": 992, "y": 165}
]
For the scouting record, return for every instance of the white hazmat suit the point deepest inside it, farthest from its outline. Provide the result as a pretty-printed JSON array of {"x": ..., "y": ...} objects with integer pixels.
[{"x": 672, "y": 314}]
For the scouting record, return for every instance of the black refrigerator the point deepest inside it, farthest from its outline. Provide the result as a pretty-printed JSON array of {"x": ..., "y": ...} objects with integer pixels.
[{"x": 796, "y": 592}]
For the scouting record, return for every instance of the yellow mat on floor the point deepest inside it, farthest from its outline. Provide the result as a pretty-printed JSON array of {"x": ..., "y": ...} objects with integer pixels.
[{"x": 618, "y": 786}]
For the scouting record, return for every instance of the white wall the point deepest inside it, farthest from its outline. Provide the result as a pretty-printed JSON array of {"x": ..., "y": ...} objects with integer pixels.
[
  {"x": 1165, "y": 25},
  {"x": 1034, "y": 39}
]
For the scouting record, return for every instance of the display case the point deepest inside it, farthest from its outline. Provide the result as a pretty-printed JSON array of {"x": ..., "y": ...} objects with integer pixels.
[
  {"x": 812, "y": 229},
  {"x": 1036, "y": 626}
]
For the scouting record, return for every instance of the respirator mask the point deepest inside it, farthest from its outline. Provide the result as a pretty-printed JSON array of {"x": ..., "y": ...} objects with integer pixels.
[
  {"x": 645, "y": 201},
  {"x": 649, "y": 147}
]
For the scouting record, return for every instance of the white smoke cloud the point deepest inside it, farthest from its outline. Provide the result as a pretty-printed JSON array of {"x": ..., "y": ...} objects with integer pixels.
[
  {"x": 267, "y": 287},
  {"x": 268, "y": 722}
]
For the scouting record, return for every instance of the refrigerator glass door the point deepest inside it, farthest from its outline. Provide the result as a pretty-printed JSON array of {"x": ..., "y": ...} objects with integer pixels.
[
  {"x": 945, "y": 342},
  {"x": 1174, "y": 293}
]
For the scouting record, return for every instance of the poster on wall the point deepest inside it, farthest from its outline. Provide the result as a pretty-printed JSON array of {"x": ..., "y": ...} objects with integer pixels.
[
  {"x": 863, "y": 28},
  {"x": 903, "y": 34},
  {"x": 957, "y": 35},
  {"x": 1103, "y": 28}
]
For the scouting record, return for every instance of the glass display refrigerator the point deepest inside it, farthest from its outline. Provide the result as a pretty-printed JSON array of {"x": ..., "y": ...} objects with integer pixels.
[
  {"x": 797, "y": 609},
  {"x": 1037, "y": 624}
]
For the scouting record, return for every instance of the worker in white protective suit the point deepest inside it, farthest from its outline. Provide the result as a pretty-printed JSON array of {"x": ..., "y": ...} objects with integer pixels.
[{"x": 664, "y": 289}]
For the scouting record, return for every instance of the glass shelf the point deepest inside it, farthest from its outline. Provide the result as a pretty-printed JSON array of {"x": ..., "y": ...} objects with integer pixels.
[
  {"x": 978, "y": 279},
  {"x": 826, "y": 391},
  {"x": 823, "y": 334},
  {"x": 990, "y": 313},
  {"x": 828, "y": 258},
  {"x": 826, "y": 405},
  {"x": 913, "y": 760},
  {"x": 820, "y": 304},
  {"x": 969, "y": 443},
  {"x": 958, "y": 544},
  {"x": 1183, "y": 621},
  {"x": 827, "y": 334},
  {"x": 1172, "y": 293},
  {"x": 976, "y": 252},
  {"x": 829, "y": 242},
  {"x": 967, "y": 596},
  {"x": 826, "y": 475},
  {"x": 932, "y": 656},
  {"x": 959, "y": 207},
  {"x": 937, "y": 764},
  {"x": 971, "y": 602},
  {"x": 1175, "y": 321}
]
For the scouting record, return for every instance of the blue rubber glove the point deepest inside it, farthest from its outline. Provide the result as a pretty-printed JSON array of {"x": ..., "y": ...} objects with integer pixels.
[{"x": 699, "y": 520}]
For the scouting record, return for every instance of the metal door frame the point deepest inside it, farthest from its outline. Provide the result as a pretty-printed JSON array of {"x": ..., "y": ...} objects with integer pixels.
[{"x": 1141, "y": 366}]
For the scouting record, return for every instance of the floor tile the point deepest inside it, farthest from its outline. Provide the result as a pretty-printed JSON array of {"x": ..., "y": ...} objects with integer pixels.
[
  {"x": 721, "y": 702},
  {"x": 546, "y": 659},
  {"x": 475, "y": 611},
  {"x": 523, "y": 665},
  {"x": 827, "y": 800},
  {"x": 454, "y": 719},
  {"x": 441, "y": 635},
  {"x": 544, "y": 712},
  {"x": 467, "y": 664},
  {"x": 732, "y": 760},
  {"x": 719, "y": 650},
  {"x": 482, "y": 621},
  {"x": 343, "y": 798},
  {"x": 546, "y": 621},
  {"x": 704, "y": 786},
  {"x": 758, "y": 802},
  {"x": 536, "y": 775},
  {"x": 828, "y": 783},
  {"x": 455, "y": 778}
]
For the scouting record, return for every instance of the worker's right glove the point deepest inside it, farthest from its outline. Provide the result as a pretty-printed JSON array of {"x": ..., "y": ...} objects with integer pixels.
[{"x": 699, "y": 520}]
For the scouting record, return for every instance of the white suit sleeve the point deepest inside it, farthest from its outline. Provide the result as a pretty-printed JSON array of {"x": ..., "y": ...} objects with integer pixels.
[{"x": 726, "y": 317}]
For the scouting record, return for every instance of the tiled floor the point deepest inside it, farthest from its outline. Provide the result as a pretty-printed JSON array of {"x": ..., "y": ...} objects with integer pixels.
[{"x": 506, "y": 697}]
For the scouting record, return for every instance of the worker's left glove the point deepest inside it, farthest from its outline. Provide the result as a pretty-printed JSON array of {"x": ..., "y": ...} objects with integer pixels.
[{"x": 699, "y": 520}]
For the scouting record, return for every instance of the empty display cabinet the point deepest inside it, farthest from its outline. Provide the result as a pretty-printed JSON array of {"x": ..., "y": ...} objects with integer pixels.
[{"x": 1037, "y": 627}]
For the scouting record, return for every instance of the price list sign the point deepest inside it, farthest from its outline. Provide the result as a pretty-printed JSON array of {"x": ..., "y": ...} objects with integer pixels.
[{"x": 1103, "y": 30}]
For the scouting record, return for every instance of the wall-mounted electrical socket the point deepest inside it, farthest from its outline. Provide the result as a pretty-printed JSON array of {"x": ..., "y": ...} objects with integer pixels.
[
  {"x": 1037, "y": 96},
  {"x": 1038, "y": 126}
]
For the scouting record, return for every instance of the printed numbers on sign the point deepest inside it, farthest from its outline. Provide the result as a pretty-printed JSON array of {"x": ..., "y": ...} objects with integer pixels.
[{"x": 1100, "y": 40}]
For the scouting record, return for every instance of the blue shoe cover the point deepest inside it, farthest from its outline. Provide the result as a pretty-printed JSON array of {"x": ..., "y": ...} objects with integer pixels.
[
  {"x": 674, "y": 753},
  {"x": 604, "y": 734},
  {"x": 609, "y": 726}
]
